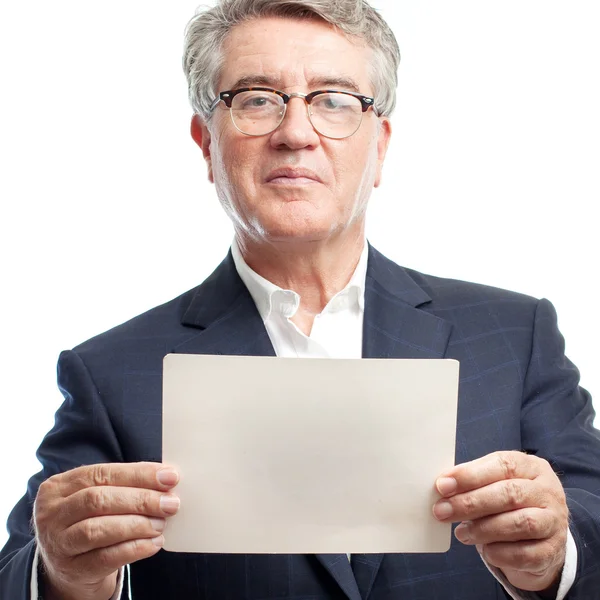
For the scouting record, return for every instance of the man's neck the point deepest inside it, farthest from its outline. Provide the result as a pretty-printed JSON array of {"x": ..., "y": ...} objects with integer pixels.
[{"x": 316, "y": 271}]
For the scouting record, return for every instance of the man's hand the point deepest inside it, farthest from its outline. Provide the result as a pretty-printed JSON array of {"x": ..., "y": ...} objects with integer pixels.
[
  {"x": 92, "y": 520},
  {"x": 513, "y": 508}
]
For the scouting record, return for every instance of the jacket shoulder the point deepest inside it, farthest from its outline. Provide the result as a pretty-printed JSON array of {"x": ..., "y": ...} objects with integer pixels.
[
  {"x": 448, "y": 291},
  {"x": 162, "y": 322},
  {"x": 433, "y": 293}
]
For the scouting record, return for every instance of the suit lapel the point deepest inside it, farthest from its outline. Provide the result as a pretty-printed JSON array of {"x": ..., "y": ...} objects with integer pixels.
[
  {"x": 227, "y": 321},
  {"x": 394, "y": 325},
  {"x": 339, "y": 568},
  {"x": 225, "y": 317}
]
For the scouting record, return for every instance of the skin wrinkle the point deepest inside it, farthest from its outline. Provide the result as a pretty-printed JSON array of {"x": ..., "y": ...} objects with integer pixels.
[{"x": 344, "y": 83}]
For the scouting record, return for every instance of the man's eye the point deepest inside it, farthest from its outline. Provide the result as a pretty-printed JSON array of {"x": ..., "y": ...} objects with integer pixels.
[
  {"x": 260, "y": 101},
  {"x": 255, "y": 102},
  {"x": 331, "y": 103}
]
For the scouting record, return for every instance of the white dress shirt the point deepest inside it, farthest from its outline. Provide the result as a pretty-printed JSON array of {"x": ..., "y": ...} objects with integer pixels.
[{"x": 336, "y": 333}]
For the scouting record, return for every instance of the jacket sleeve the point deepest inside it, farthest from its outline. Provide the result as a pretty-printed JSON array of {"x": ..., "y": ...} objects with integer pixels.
[
  {"x": 557, "y": 424},
  {"x": 82, "y": 435}
]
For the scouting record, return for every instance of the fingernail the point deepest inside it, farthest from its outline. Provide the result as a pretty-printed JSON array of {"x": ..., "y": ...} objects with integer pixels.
[
  {"x": 462, "y": 533},
  {"x": 159, "y": 541},
  {"x": 446, "y": 485},
  {"x": 442, "y": 510},
  {"x": 157, "y": 524},
  {"x": 167, "y": 477},
  {"x": 169, "y": 504}
]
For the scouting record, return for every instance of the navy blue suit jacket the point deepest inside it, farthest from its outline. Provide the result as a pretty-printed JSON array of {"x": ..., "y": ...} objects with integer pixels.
[{"x": 517, "y": 391}]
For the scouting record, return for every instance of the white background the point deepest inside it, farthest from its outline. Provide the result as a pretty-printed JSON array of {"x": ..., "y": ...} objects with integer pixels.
[{"x": 492, "y": 175}]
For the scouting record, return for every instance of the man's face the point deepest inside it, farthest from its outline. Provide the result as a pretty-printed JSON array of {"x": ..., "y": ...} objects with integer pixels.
[{"x": 331, "y": 196}]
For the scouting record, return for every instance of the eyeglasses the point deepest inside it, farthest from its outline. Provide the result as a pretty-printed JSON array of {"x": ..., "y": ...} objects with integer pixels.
[{"x": 259, "y": 110}]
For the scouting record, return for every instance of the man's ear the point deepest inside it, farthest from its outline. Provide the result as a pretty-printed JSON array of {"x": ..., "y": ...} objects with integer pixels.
[
  {"x": 383, "y": 141},
  {"x": 201, "y": 135}
]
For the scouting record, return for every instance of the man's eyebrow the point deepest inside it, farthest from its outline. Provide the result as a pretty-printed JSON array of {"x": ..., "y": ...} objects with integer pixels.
[
  {"x": 319, "y": 82},
  {"x": 252, "y": 81},
  {"x": 338, "y": 83}
]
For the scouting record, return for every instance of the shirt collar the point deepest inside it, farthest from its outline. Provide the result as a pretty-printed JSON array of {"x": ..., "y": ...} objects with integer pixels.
[{"x": 270, "y": 298}]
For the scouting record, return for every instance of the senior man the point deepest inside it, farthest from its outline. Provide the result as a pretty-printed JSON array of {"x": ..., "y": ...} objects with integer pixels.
[{"x": 292, "y": 103}]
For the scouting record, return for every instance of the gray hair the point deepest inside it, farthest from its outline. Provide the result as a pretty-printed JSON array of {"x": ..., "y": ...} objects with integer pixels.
[{"x": 208, "y": 29}]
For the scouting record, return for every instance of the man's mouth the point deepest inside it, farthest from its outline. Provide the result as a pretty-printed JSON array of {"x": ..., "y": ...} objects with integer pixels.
[{"x": 292, "y": 176}]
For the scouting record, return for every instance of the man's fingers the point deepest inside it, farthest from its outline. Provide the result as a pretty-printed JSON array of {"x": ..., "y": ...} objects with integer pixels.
[
  {"x": 104, "y": 501},
  {"x": 105, "y": 561},
  {"x": 498, "y": 497},
  {"x": 147, "y": 475},
  {"x": 513, "y": 526},
  {"x": 533, "y": 557},
  {"x": 493, "y": 467},
  {"x": 92, "y": 520},
  {"x": 102, "y": 532}
]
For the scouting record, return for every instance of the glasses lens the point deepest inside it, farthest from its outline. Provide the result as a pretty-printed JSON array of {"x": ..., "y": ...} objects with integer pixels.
[
  {"x": 257, "y": 112},
  {"x": 336, "y": 115}
]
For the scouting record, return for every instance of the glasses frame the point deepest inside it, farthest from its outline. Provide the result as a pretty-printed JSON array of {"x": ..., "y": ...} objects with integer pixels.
[{"x": 227, "y": 98}]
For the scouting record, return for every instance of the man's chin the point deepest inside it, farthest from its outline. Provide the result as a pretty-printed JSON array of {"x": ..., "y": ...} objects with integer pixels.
[
  {"x": 297, "y": 237},
  {"x": 300, "y": 233}
]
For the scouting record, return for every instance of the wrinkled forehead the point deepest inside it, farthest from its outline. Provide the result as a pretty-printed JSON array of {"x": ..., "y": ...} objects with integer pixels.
[{"x": 294, "y": 55}]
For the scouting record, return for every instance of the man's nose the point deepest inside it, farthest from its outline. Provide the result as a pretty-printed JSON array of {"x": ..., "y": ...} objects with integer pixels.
[{"x": 296, "y": 130}]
